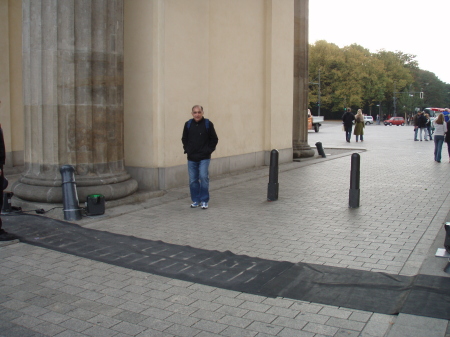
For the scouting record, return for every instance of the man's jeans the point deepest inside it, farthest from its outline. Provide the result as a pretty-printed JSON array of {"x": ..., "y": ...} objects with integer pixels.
[
  {"x": 438, "y": 142},
  {"x": 199, "y": 180},
  {"x": 348, "y": 132}
]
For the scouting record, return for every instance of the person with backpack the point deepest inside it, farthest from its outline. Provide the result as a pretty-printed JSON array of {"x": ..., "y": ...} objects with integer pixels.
[{"x": 199, "y": 141}]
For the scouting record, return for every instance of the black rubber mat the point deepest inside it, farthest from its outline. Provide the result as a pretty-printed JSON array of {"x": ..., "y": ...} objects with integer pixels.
[
  {"x": 219, "y": 269},
  {"x": 376, "y": 292},
  {"x": 350, "y": 288}
]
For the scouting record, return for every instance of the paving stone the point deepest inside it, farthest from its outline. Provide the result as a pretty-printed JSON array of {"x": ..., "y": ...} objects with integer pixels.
[
  {"x": 182, "y": 319},
  {"x": 182, "y": 331},
  {"x": 129, "y": 328},
  {"x": 53, "y": 317},
  {"x": 345, "y": 324},
  {"x": 104, "y": 321},
  {"x": 320, "y": 329},
  {"x": 130, "y": 317},
  {"x": 155, "y": 324},
  {"x": 99, "y": 331},
  {"x": 232, "y": 331},
  {"x": 154, "y": 333},
  {"x": 209, "y": 326},
  {"x": 287, "y": 332},
  {"x": 235, "y": 321},
  {"x": 76, "y": 324},
  {"x": 48, "y": 329}
]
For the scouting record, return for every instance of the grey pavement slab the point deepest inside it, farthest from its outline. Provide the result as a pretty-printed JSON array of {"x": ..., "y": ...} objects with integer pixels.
[{"x": 404, "y": 202}]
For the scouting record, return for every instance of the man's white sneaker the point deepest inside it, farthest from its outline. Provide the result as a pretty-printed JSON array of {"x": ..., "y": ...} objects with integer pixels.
[
  {"x": 204, "y": 205},
  {"x": 195, "y": 205}
]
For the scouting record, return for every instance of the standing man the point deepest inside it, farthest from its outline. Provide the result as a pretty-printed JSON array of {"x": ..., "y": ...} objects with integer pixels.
[
  {"x": 347, "y": 120},
  {"x": 199, "y": 141}
]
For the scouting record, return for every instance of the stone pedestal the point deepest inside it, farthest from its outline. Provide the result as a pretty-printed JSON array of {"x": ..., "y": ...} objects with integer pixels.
[
  {"x": 300, "y": 124},
  {"x": 73, "y": 99}
]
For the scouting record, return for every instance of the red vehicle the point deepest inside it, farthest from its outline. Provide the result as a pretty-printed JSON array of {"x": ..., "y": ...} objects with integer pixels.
[{"x": 395, "y": 121}]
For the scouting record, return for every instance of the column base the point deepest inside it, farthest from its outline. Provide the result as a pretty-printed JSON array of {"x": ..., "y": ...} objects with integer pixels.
[
  {"x": 51, "y": 192},
  {"x": 303, "y": 151}
]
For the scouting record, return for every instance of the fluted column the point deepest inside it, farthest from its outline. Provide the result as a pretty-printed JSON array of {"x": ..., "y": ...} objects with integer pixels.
[
  {"x": 300, "y": 123},
  {"x": 73, "y": 98}
]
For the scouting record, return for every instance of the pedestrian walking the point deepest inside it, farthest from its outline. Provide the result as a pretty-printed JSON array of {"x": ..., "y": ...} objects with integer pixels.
[
  {"x": 422, "y": 126},
  {"x": 416, "y": 125},
  {"x": 447, "y": 138},
  {"x": 429, "y": 126},
  {"x": 359, "y": 125},
  {"x": 347, "y": 120},
  {"x": 199, "y": 141},
  {"x": 440, "y": 129}
]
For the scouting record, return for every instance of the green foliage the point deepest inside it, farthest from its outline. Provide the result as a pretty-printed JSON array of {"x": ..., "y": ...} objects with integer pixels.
[{"x": 354, "y": 77}]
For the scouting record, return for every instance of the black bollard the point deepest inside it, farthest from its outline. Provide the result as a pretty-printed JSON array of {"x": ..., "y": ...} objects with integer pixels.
[
  {"x": 320, "y": 150},
  {"x": 272, "y": 189},
  {"x": 71, "y": 205},
  {"x": 354, "y": 182}
]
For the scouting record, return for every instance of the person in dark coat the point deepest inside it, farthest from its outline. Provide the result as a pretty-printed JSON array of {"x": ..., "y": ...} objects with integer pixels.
[
  {"x": 422, "y": 126},
  {"x": 416, "y": 125},
  {"x": 199, "y": 141},
  {"x": 347, "y": 120}
]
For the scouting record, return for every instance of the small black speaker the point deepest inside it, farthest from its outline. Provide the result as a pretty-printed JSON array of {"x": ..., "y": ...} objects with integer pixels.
[{"x": 95, "y": 204}]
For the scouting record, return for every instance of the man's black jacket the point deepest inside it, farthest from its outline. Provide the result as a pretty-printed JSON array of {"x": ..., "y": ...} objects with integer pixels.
[
  {"x": 348, "y": 119},
  {"x": 199, "y": 143}
]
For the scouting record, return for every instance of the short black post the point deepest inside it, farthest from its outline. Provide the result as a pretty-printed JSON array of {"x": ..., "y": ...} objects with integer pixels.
[
  {"x": 272, "y": 189},
  {"x": 354, "y": 182},
  {"x": 71, "y": 205},
  {"x": 320, "y": 150}
]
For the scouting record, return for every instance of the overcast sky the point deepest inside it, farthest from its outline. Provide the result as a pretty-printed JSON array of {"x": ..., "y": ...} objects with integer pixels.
[{"x": 421, "y": 28}]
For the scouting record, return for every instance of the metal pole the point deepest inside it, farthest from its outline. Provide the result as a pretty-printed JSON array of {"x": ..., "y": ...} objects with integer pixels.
[
  {"x": 354, "y": 181},
  {"x": 320, "y": 150},
  {"x": 71, "y": 205},
  {"x": 272, "y": 189}
]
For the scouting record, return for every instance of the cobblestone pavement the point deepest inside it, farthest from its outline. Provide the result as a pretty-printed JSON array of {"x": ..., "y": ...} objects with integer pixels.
[{"x": 404, "y": 202}]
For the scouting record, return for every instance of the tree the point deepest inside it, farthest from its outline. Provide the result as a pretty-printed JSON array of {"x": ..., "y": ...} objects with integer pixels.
[{"x": 354, "y": 77}]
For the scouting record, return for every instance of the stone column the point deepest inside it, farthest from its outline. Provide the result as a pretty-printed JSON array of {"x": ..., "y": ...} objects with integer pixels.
[
  {"x": 300, "y": 123},
  {"x": 73, "y": 98}
]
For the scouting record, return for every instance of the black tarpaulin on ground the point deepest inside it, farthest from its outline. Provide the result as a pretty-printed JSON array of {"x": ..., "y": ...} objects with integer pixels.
[
  {"x": 214, "y": 268},
  {"x": 429, "y": 296},
  {"x": 356, "y": 289}
]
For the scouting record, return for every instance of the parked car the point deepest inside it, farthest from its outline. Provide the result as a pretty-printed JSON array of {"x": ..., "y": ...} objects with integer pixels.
[
  {"x": 368, "y": 120},
  {"x": 395, "y": 121},
  {"x": 314, "y": 122}
]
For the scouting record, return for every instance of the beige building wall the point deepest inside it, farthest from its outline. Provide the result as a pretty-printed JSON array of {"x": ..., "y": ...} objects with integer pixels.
[
  {"x": 233, "y": 57},
  {"x": 11, "y": 108}
]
